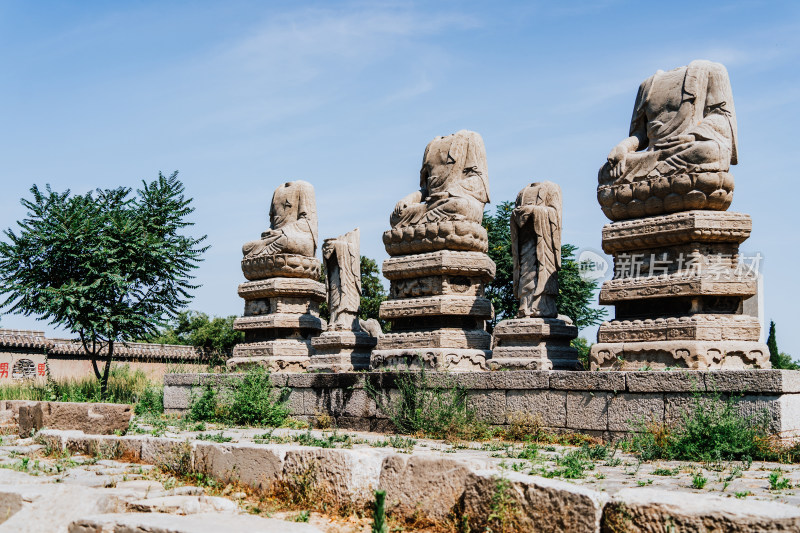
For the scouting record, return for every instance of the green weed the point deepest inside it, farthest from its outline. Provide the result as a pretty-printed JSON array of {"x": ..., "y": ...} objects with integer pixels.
[
  {"x": 698, "y": 481},
  {"x": 214, "y": 437},
  {"x": 667, "y": 472},
  {"x": 777, "y": 481}
]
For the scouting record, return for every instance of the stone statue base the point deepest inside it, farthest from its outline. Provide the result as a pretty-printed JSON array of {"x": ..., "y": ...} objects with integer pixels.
[
  {"x": 534, "y": 344},
  {"x": 694, "y": 355},
  {"x": 679, "y": 294},
  {"x": 281, "y": 315},
  {"x": 440, "y": 359},
  {"x": 341, "y": 351},
  {"x": 659, "y": 195},
  {"x": 462, "y": 235},
  {"x": 437, "y": 310}
]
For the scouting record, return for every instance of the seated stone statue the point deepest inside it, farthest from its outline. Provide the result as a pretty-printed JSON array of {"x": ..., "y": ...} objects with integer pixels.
[
  {"x": 454, "y": 183},
  {"x": 536, "y": 249},
  {"x": 293, "y": 223},
  {"x": 683, "y": 122}
]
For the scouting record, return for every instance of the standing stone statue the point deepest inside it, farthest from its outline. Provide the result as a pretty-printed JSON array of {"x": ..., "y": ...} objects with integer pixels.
[
  {"x": 681, "y": 144},
  {"x": 536, "y": 248},
  {"x": 438, "y": 266},
  {"x": 283, "y": 292},
  {"x": 678, "y": 288},
  {"x": 343, "y": 277},
  {"x": 538, "y": 339},
  {"x": 348, "y": 341}
]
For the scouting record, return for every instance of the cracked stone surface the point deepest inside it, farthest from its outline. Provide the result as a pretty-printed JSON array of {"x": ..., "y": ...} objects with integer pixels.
[{"x": 79, "y": 494}]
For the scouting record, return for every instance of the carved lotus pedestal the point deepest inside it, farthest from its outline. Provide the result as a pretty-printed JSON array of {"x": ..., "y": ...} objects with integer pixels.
[
  {"x": 281, "y": 312},
  {"x": 438, "y": 311},
  {"x": 341, "y": 351},
  {"x": 534, "y": 343},
  {"x": 679, "y": 291}
]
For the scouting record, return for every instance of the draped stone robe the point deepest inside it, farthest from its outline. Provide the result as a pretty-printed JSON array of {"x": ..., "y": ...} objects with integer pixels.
[
  {"x": 684, "y": 121},
  {"x": 536, "y": 249},
  {"x": 293, "y": 223},
  {"x": 454, "y": 182},
  {"x": 343, "y": 277}
]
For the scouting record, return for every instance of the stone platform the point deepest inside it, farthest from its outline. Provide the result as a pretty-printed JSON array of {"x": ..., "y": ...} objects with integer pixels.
[
  {"x": 438, "y": 311},
  {"x": 678, "y": 292},
  {"x": 281, "y": 314},
  {"x": 606, "y": 404},
  {"x": 534, "y": 344}
]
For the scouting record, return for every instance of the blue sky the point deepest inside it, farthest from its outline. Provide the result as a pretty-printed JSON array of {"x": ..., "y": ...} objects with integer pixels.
[{"x": 242, "y": 96}]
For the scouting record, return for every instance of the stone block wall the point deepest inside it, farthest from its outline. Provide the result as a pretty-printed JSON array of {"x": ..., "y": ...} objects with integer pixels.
[{"x": 604, "y": 404}]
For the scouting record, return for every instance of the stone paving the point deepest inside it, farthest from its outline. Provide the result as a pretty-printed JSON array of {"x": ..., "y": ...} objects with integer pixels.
[
  {"x": 74, "y": 493},
  {"x": 40, "y": 485},
  {"x": 609, "y": 471}
]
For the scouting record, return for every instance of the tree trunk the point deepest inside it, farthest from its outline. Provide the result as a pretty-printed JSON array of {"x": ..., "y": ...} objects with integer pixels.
[
  {"x": 97, "y": 373},
  {"x": 106, "y": 371},
  {"x": 94, "y": 355}
]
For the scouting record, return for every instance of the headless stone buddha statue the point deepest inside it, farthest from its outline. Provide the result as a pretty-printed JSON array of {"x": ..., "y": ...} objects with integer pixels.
[
  {"x": 683, "y": 122},
  {"x": 454, "y": 183},
  {"x": 536, "y": 249},
  {"x": 293, "y": 223},
  {"x": 343, "y": 277}
]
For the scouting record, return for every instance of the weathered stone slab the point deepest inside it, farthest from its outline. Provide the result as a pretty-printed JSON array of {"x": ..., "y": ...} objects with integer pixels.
[
  {"x": 673, "y": 381},
  {"x": 532, "y": 503},
  {"x": 659, "y": 510},
  {"x": 339, "y": 402},
  {"x": 473, "y": 306},
  {"x": 443, "y": 262},
  {"x": 777, "y": 381},
  {"x": 627, "y": 412},
  {"x": 549, "y": 406},
  {"x": 676, "y": 228},
  {"x": 253, "y": 465},
  {"x": 430, "y": 486},
  {"x": 171, "y": 454},
  {"x": 196, "y": 523},
  {"x": 93, "y": 418},
  {"x": 344, "y": 476},
  {"x": 587, "y": 410},
  {"x": 490, "y": 405},
  {"x": 587, "y": 381}
]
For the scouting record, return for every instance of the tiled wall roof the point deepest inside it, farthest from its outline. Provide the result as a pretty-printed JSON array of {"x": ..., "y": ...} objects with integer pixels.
[{"x": 14, "y": 338}]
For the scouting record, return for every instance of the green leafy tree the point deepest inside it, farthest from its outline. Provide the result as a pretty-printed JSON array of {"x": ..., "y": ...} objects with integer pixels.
[
  {"x": 772, "y": 344},
  {"x": 779, "y": 359},
  {"x": 575, "y": 294},
  {"x": 372, "y": 293},
  {"x": 107, "y": 266},
  {"x": 501, "y": 289},
  {"x": 214, "y": 335}
]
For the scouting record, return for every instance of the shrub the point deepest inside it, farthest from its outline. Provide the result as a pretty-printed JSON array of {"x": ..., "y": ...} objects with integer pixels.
[
  {"x": 424, "y": 408},
  {"x": 255, "y": 402},
  {"x": 711, "y": 430},
  {"x": 206, "y": 406},
  {"x": 150, "y": 401},
  {"x": 250, "y": 401}
]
